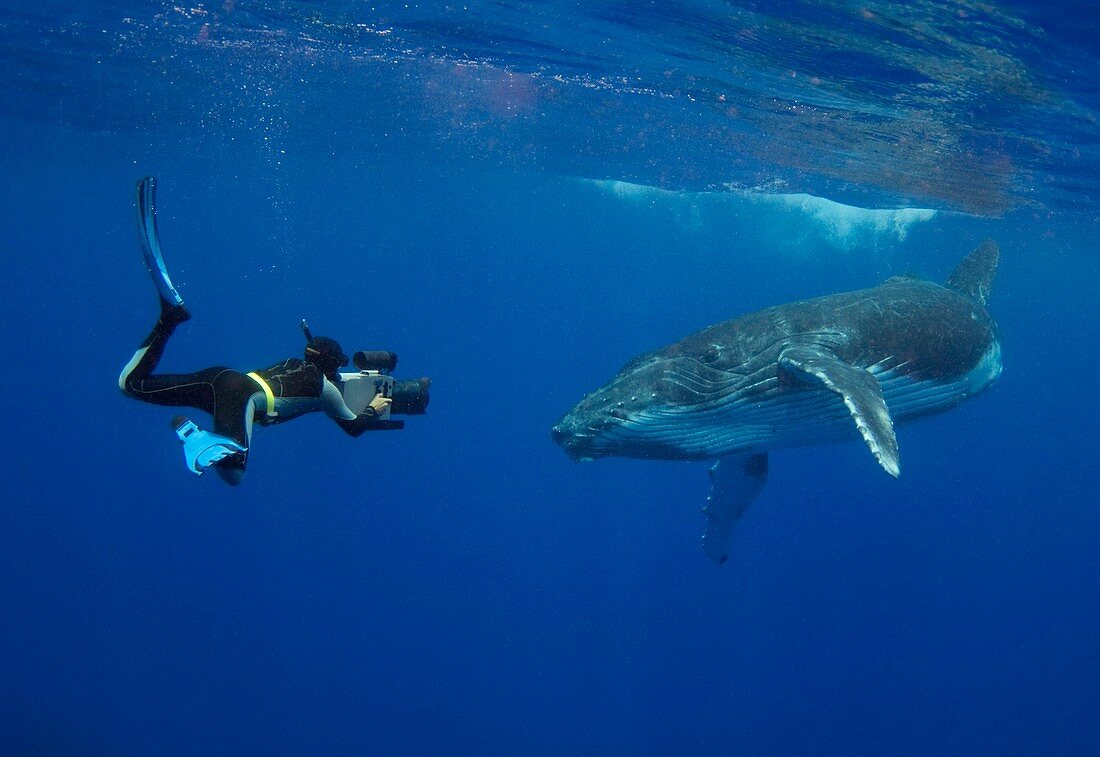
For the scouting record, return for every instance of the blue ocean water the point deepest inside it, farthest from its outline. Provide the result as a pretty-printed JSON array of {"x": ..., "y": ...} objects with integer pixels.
[{"x": 517, "y": 198}]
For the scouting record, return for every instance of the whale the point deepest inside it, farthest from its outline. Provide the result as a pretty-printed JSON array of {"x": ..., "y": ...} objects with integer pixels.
[{"x": 842, "y": 366}]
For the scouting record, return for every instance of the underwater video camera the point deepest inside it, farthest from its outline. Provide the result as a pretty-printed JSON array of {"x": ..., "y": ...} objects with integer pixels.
[{"x": 373, "y": 377}]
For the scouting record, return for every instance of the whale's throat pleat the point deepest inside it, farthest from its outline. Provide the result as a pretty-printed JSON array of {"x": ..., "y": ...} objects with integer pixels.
[{"x": 764, "y": 413}]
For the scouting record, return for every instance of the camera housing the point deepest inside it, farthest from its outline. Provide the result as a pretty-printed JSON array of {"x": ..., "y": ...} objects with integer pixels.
[{"x": 410, "y": 396}]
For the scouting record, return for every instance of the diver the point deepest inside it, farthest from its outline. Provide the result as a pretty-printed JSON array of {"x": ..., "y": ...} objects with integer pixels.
[{"x": 237, "y": 400}]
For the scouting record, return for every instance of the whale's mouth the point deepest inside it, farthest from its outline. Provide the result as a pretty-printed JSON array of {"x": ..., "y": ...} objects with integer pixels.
[
  {"x": 588, "y": 436},
  {"x": 577, "y": 445},
  {"x": 641, "y": 435}
]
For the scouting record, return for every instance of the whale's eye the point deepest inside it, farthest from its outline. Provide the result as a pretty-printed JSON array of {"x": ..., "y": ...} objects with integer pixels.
[{"x": 617, "y": 413}]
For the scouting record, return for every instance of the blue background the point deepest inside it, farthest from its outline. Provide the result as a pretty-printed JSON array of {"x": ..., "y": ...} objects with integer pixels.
[{"x": 462, "y": 587}]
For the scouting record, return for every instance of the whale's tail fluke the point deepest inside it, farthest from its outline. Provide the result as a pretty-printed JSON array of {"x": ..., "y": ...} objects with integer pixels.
[{"x": 974, "y": 275}]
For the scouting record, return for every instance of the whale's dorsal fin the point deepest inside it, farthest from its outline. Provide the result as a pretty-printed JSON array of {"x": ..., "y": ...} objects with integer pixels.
[
  {"x": 861, "y": 394},
  {"x": 734, "y": 483},
  {"x": 974, "y": 274}
]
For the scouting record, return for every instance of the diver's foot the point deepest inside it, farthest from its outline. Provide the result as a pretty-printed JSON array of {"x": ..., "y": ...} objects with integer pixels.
[
  {"x": 203, "y": 449},
  {"x": 230, "y": 468},
  {"x": 173, "y": 315}
]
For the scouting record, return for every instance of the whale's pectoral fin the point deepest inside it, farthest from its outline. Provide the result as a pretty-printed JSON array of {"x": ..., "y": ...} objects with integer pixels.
[
  {"x": 735, "y": 482},
  {"x": 861, "y": 394}
]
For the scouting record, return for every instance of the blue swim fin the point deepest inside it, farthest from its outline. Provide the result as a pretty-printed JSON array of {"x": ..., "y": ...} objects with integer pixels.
[
  {"x": 203, "y": 448},
  {"x": 150, "y": 241}
]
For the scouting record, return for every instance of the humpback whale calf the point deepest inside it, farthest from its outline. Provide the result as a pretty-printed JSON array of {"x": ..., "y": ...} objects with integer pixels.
[{"x": 842, "y": 366}]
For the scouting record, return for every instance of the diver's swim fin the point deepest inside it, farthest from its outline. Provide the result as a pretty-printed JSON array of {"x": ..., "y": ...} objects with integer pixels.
[
  {"x": 150, "y": 242},
  {"x": 203, "y": 448}
]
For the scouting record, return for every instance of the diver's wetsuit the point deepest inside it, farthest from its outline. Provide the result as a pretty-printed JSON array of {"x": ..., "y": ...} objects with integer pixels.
[{"x": 234, "y": 399}]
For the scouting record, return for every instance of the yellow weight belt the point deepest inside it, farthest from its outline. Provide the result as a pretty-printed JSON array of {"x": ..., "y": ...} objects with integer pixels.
[{"x": 267, "y": 393}]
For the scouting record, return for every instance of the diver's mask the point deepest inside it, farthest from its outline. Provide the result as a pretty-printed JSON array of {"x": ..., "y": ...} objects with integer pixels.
[{"x": 324, "y": 352}]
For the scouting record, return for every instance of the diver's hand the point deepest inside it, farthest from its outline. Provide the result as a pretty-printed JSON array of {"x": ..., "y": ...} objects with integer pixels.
[{"x": 379, "y": 404}]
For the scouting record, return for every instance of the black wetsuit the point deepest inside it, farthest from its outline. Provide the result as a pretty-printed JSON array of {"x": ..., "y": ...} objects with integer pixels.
[{"x": 233, "y": 398}]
